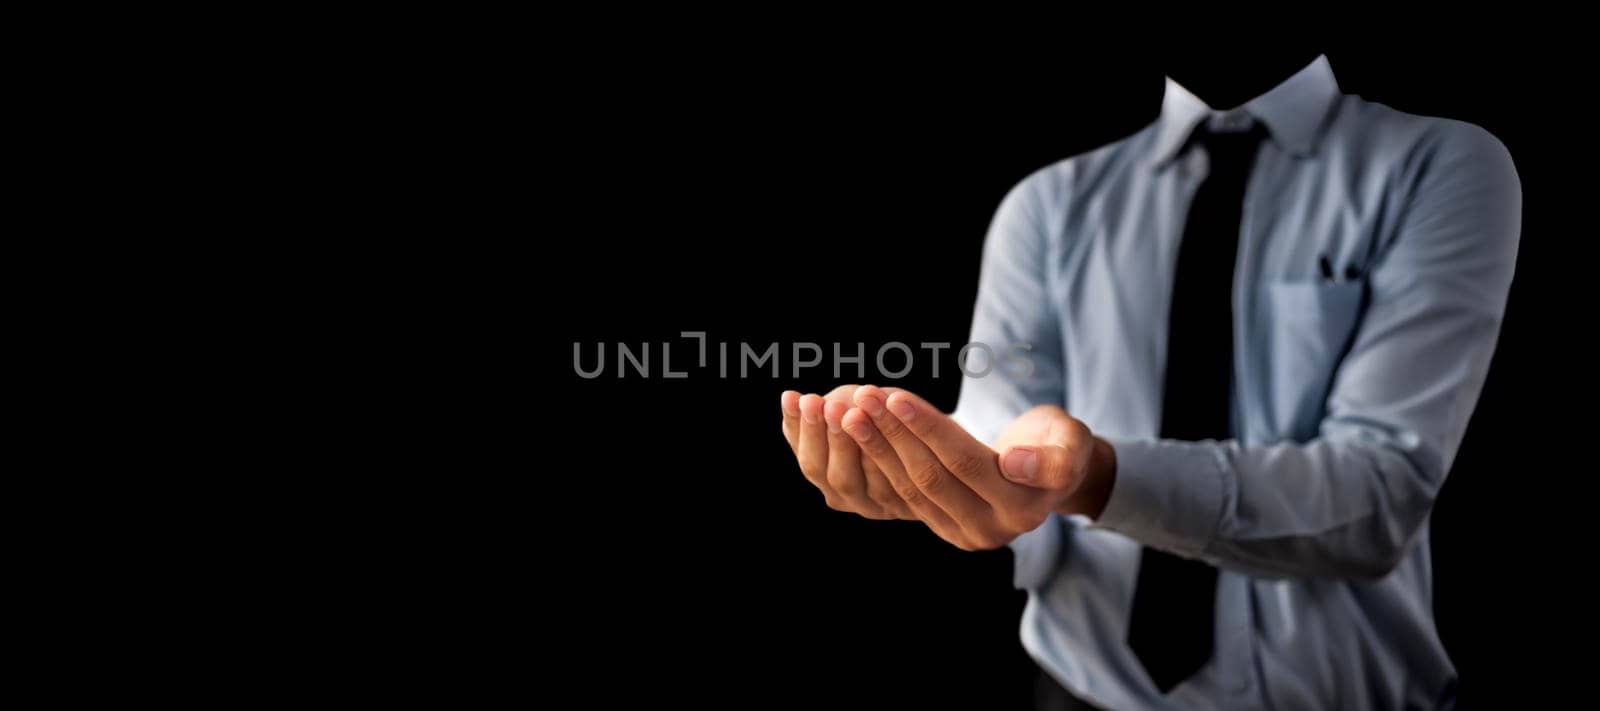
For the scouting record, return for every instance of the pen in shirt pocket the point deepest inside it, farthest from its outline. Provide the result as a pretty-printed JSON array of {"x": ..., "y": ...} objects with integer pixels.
[{"x": 1351, "y": 273}]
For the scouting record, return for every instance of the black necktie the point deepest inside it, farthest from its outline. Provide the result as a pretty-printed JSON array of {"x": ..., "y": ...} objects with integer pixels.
[{"x": 1174, "y": 602}]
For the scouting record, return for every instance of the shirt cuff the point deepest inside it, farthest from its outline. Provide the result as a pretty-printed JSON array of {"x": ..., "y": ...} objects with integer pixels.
[
  {"x": 1167, "y": 494},
  {"x": 1037, "y": 553}
]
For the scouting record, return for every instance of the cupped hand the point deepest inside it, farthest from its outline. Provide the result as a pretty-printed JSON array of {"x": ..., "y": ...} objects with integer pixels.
[
  {"x": 830, "y": 459},
  {"x": 968, "y": 493}
]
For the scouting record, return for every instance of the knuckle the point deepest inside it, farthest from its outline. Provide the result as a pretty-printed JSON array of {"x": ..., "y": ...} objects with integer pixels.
[
  {"x": 812, "y": 470},
  {"x": 885, "y": 500},
  {"x": 875, "y": 469},
  {"x": 967, "y": 465},
  {"x": 871, "y": 452},
  {"x": 885, "y": 456},
  {"x": 891, "y": 428},
  {"x": 928, "y": 476},
  {"x": 844, "y": 483},
  {"x": 836, "y": 503},
  {"x": 908, "y": 493}
]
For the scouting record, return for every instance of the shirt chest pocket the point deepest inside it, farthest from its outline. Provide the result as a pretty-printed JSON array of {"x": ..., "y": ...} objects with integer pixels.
[{"x": 1300, "y": 332}]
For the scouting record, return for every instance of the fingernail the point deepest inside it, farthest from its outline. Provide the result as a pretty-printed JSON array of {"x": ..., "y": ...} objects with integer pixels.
[
  {"x": 901, "y": 407},
  {"x": 1021, "y": 465},
  {"x": 809, "y": 413},
  {"x": 871, "y": 404}
]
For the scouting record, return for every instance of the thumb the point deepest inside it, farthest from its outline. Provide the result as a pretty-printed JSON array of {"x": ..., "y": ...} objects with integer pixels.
[{"x": 1039, "y": 466}]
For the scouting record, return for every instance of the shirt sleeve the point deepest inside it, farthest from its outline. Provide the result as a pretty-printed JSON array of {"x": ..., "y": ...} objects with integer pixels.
[
  {"x": 1349, "y": 502},
  {"x": 1013, "y": 319}
]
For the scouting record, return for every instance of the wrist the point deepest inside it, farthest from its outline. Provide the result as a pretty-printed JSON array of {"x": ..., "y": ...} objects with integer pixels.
[{"x": 1099, "y": 477}]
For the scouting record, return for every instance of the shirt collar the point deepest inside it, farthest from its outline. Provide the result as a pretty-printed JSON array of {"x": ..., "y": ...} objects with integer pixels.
[{"x": 1293, "y": 112}]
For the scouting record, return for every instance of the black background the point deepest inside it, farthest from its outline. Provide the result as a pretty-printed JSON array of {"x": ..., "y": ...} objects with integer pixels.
[{"x": 840, "y": 192}]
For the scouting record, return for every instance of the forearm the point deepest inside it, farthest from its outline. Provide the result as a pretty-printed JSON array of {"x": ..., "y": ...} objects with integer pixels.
[{"x": 1324, "y": 508}]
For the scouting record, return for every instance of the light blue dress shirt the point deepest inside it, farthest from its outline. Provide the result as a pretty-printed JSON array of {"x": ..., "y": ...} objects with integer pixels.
[{"x": 1350, "y": 394}]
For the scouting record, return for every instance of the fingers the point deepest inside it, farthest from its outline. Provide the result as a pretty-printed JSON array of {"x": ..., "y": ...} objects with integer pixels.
[
  {"x": 844, "y": 474},
  {"x": 881, "y": 491},
  {"x": 970, "y": 460},
  {"x": 849, "y": 478},
  {"x": 828, "y": 457},
  {"x": 790, "y": 404},
  {"x": 922, "y": 466},
  {"x": 813, "y": 448},
  {"x": 861, "y": 476},
  {"x": 894, "y": 455},
  {"x": 860, "y": 428}
]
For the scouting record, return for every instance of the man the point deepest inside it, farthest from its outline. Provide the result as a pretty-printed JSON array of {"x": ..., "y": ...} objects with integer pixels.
[{"x": 1256, "y": 337}]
